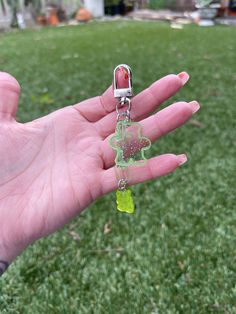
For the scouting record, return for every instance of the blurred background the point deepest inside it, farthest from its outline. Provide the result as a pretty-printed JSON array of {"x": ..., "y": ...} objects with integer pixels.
[
  {"x": 176, "y": 254},
  {"x": 28, "y": 13}
]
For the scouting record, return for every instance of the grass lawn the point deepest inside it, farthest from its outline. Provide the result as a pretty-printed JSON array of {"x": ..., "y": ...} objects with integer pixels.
[{"x": 177, "y": 253}]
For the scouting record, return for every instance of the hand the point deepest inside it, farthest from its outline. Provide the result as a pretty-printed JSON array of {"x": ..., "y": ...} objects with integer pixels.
[{"x": 54, "y": 167}]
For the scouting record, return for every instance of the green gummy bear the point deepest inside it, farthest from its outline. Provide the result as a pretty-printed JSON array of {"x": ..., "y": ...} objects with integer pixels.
[{"x": 124, "y": 201}]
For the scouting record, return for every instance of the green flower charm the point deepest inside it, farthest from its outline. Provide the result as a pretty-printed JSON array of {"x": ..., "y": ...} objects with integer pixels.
[{"x": 129, "y": 144}]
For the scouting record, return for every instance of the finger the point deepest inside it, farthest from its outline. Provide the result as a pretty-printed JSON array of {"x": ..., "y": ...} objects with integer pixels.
[
  {"x": 156, "y": 126},
  {"x": 9, "y": 96},
  {"x": 96, "y": 108},
  {"x": 155, "y": 167},
  {"x": 168, "y": 119},
  {"x": 146, "y": 102}
]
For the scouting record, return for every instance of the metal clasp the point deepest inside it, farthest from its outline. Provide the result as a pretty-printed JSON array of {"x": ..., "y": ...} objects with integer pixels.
[{"x": 125, "y": 89}]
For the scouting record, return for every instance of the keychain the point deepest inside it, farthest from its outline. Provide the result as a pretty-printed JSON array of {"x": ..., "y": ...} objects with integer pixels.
[{"x": 128, "y": 142}]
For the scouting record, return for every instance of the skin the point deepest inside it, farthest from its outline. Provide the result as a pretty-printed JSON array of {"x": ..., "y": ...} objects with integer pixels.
[{"x": 54, "y": 167}]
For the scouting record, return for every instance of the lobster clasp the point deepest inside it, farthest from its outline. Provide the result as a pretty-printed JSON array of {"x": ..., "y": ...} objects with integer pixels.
[{"x": 122, "y": 82}]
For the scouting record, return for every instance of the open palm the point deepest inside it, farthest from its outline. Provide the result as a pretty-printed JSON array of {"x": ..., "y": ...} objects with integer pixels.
[{"x": 54, "y": 167}]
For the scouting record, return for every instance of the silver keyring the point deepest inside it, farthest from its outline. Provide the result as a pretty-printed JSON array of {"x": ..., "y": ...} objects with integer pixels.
[{"x": 123, "y": 102}]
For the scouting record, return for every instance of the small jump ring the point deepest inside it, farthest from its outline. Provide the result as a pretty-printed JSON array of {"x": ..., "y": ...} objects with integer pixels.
[
  {"x": 122, "y": 184},
  {"x": 122, "y": 103},
  {"x": 125, "y": 114}
]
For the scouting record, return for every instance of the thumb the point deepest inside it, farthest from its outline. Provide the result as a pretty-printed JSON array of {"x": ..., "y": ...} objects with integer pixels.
[{"x": 9, "y": 96}]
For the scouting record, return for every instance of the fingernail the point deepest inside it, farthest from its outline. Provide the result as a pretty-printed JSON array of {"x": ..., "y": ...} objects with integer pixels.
[
  {"x": 182, "y": 159},
  {"x": 184, "y": 77},
  {"x": 194, "y": 106},
  {"x": 122, "y": 77}
]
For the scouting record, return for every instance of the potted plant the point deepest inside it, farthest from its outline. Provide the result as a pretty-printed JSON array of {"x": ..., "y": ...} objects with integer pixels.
[{"x": 37, "y": 11}]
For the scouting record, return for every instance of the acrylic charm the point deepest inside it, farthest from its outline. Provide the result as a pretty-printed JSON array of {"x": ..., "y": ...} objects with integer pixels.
[{"x": 129, "y": 144}]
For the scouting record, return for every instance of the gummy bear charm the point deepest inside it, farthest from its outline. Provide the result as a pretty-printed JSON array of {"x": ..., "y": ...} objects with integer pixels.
[{"x": 125, "y": 201}]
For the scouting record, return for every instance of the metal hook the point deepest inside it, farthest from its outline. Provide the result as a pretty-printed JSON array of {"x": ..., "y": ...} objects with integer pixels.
[{"x": 123, "y": 91}]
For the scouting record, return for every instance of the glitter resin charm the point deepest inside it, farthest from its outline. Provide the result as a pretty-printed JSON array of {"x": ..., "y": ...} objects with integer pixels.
[{"x": 129, "y": 144}]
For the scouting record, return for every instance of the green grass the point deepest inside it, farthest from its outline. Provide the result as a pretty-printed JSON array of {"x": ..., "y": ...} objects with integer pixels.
[{"x": 177, "y": 253}]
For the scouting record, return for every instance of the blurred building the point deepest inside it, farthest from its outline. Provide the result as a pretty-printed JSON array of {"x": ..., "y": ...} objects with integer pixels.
[
  {"x": 95, "y": 7},
  {"x": 5, "y": 15}
]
